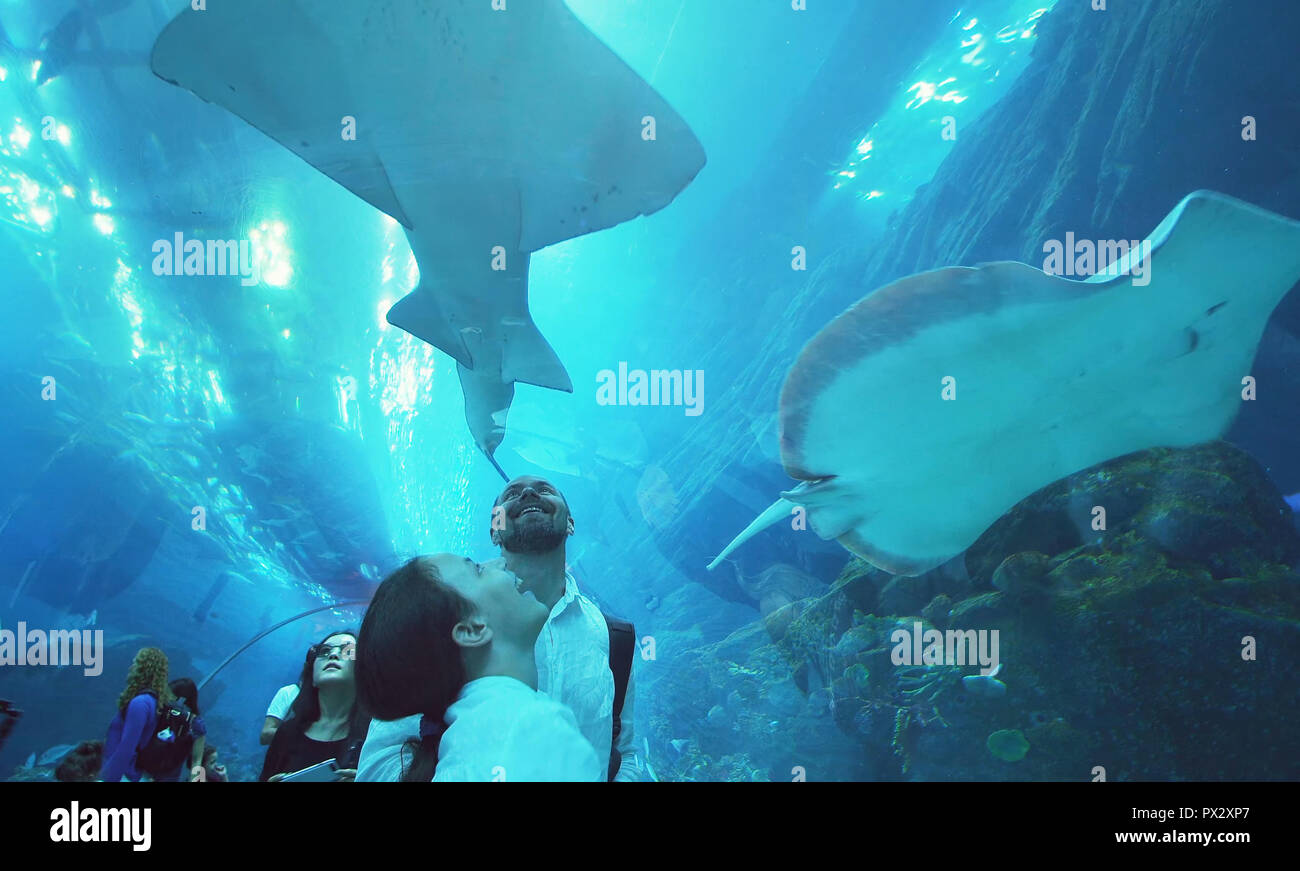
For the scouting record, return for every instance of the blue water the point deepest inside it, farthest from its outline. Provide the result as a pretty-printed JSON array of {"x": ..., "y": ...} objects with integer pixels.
[{"x": 326, "y": 446}]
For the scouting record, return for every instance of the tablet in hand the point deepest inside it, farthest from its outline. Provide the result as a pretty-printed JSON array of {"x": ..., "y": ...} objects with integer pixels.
[{"x": 322, "y": 772}]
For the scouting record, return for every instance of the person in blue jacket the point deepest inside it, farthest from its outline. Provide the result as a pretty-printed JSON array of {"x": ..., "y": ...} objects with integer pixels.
[{"x": 137, "y": 715}]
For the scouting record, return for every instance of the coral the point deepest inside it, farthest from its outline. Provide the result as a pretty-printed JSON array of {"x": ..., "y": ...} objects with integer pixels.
[{"x": 1123, "y": 649}]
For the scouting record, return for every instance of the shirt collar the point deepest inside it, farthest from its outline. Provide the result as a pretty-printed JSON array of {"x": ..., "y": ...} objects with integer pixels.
[{"x": 570, "y": 596}]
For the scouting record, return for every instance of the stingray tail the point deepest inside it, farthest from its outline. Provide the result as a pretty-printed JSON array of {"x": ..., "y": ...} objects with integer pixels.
[
  {"x": 497, "y": 466},
  {"x": 777, "y": 511}
]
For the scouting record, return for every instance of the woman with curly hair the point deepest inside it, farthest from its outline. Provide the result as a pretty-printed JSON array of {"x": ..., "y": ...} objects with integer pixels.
[{"x": 137, "y": 714}]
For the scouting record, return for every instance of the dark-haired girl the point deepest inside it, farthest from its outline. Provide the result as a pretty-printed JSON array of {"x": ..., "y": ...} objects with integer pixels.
[
  {"x": 452, "y": 641},
  {"x": 185, "y": 690},
  {"x": 326, "y": 722}
]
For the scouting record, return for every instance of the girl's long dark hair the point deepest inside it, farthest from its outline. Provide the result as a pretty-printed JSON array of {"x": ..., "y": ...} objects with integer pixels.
[
  {"x": 306, "y": 708},
  {"x": 185, "y": 689},
  {"x": 407, "y": 661}
]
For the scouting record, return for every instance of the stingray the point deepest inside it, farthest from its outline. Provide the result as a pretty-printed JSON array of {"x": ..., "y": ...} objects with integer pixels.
[
  {"x": 487, "y": 134},
  {"x": 1052, "y": 376}
]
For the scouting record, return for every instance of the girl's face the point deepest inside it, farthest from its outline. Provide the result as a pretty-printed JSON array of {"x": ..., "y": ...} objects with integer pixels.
[
  {"x": 499, "y": 599},
  {"x": 336, "y": 659}
]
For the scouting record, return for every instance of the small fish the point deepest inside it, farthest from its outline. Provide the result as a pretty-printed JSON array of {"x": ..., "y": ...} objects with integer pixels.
[
  {"x": 1294, "y": 501},
  {"x": 985, "y": 685},
  {"x": 55, "y": 754}
]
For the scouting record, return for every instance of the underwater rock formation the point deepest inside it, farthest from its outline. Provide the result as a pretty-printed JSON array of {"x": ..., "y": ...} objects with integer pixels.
[
  {"x": 1210, "y": 505},
  {"x": 781, "y": 591},
  {"x": 1158, "y": 649}
]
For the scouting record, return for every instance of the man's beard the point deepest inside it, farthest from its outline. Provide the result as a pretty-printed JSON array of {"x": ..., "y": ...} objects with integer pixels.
[{"x": 534, "y": 538}]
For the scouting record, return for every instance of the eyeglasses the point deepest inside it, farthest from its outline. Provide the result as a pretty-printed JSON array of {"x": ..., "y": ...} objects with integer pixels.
[{"x": 345, "y": 651}]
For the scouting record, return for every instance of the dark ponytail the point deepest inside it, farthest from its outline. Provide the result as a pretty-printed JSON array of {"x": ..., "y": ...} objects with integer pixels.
[{"x": 407, "y": 661}]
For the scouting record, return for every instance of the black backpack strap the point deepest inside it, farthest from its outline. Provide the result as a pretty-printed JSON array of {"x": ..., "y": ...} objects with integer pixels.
[
  {"x": 181, "y": 713},
  {"x": 622, "y": 641}
]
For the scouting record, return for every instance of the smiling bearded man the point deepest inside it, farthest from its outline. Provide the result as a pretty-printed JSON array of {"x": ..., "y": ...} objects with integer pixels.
[{"x": 531, "y": 524}]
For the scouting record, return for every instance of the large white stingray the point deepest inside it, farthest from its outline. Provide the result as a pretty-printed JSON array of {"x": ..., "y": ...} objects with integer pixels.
[
  {"x": 1051, "y": 376},
  {"x": 475, "y": 128}
]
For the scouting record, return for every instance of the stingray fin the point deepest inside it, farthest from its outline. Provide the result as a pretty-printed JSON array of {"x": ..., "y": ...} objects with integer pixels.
[
  {"x": 526, "y": 356},
  {"x": 293, "y": 90},
  {"x": 418, "y": 313},
  {"x": 776, "y": 512}
]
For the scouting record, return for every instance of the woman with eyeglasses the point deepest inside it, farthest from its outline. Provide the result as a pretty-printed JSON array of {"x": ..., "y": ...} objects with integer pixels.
[{"x": 326, "y": 722}]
